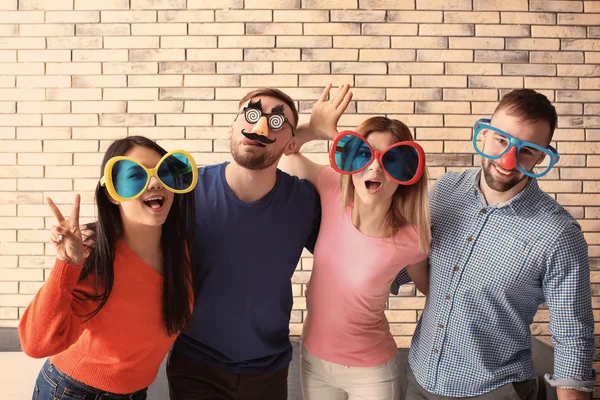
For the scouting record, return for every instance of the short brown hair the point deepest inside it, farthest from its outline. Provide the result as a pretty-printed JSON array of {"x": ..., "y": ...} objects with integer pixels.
[
  {"x": 277, "y": 94},
  {"x": 530, "y": 106}
]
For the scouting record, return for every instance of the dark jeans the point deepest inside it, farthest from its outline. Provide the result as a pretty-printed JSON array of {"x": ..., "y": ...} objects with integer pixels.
[
  {"x": 526, "y": 390},
  {"x": 52, "y": 384},
  {"x": 191, "y": 379}
]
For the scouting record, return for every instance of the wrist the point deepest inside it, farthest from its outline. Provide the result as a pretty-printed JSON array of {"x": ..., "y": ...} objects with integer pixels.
[
  {"x": 305, "y": 133},
  {"x": 568, "y": 393},
  {"x": 330, "y": 134},
  {"x": 323, "y": 133},
  {"x": 76, "y": 261},
  {"x": 576, "y": 388}
]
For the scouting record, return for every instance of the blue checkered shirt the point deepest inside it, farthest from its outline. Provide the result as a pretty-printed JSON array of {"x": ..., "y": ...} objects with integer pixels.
[{"x": 491, "y": 267}]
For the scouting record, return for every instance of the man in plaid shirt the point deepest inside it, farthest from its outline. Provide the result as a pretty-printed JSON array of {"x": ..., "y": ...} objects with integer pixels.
[{"x": 500, "y": 248}]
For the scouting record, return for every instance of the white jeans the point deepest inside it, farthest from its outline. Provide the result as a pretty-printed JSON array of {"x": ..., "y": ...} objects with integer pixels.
[{"x": 323, "y": 380}]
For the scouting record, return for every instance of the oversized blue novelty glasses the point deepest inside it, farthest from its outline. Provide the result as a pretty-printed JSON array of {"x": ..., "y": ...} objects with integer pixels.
[{"x": 525, "y": 157}]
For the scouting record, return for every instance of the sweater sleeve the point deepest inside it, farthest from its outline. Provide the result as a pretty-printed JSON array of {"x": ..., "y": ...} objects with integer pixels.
[{"x": 52, "y": 322}]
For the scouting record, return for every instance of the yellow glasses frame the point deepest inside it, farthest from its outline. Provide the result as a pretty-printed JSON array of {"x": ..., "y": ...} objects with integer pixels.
[{"x": 107, "y": 180}]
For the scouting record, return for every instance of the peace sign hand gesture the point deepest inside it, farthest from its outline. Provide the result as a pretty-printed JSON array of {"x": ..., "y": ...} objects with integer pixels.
[{"x": 66, "y": 236}]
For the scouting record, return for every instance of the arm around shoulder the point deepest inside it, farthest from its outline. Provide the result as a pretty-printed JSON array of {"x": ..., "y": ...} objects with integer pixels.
[
  {"x": 300, "y": 166},
  {"x": 419, "y": 274}
]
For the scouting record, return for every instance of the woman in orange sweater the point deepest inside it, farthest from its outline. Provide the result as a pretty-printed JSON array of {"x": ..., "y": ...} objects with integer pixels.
[{"x": 107, "y": 315}]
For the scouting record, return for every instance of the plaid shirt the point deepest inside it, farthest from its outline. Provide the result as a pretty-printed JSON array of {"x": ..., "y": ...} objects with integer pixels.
[{"x": 491, "y": 267}]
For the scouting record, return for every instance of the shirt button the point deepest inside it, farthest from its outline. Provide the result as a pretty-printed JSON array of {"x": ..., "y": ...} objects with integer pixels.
[
  {"x": 448, "y": 297},
  {"x": 484, "y": 211},
  {"x": 470, "y": 238},
  {"x": 456, "y": 269},
  {"x": 441, "y": 325},
  {"x": 435, "y": 351}
]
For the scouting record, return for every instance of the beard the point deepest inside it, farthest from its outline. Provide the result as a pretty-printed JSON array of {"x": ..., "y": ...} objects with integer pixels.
[
  {"x": 496, "y": 184},
  {"x": 254, "y": 160}
]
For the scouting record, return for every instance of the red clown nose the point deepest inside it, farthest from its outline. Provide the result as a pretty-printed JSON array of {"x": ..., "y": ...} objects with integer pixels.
[{"x": 509, "y": 160}]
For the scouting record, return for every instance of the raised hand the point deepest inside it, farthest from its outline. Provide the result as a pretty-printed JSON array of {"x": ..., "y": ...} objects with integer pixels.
[
  {"x": 66, "y": 236},
  {"x": 326, "y": 113}
]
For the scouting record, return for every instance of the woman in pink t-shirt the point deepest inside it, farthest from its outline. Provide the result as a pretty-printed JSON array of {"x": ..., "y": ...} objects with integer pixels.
[{"x": 375, "y": 222}]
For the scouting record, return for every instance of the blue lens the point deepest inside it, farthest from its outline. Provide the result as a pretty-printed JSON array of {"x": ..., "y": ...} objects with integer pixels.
[
  {"x": 352, "y": 154},
  {"x": 401, "y": 162},
  {"x": 129, "y": 178},
  {"x": 176, "y": 172}
]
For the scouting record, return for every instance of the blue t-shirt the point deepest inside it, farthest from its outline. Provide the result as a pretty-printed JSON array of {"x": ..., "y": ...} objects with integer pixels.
[{"x": 246, "y": 254}]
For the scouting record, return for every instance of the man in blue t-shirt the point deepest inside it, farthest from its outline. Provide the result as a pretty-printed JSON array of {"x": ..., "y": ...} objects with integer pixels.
[{"x": 253, "y": 222}]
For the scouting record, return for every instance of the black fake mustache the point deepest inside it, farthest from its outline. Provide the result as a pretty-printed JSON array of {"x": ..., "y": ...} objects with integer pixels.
[{"x": 259, "y": 138}]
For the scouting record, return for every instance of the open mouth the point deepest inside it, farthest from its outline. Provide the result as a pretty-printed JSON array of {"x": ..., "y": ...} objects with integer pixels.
[
  {"x": 372, "y": 186},
  {"x": 155, "y": 202}
]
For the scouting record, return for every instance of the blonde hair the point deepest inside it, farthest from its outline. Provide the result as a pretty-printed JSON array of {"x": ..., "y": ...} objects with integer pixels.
[{"x": 410, "y": 204}]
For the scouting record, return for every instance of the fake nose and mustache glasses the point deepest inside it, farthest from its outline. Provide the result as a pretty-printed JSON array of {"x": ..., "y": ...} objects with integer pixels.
[
  {"x": 402, "y": 162},
  {"x": 510, "y": 151},
  {"x": 262, "y": 123},
  {"x": 126, "y": 179}
]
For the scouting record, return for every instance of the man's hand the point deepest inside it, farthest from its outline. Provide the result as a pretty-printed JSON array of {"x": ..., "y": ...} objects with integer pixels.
[{"x": 572, "y": 394}]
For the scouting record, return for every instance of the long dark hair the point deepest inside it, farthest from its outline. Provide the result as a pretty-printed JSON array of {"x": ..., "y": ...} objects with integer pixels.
[{"x": 177, "y": 244}]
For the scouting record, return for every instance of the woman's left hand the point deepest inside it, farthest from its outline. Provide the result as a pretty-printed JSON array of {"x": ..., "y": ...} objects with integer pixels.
[{"x": 326, "y": 113}]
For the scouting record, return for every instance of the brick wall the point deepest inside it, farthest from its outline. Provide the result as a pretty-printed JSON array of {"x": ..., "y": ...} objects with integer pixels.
[{"x": 74, "y": 77}]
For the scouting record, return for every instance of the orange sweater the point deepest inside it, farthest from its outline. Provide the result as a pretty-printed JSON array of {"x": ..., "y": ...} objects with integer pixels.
[{"x": 120, "y": 349}]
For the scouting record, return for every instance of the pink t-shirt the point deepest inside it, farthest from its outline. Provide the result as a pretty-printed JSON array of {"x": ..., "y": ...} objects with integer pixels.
[{"x": 350, "y": 284}]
